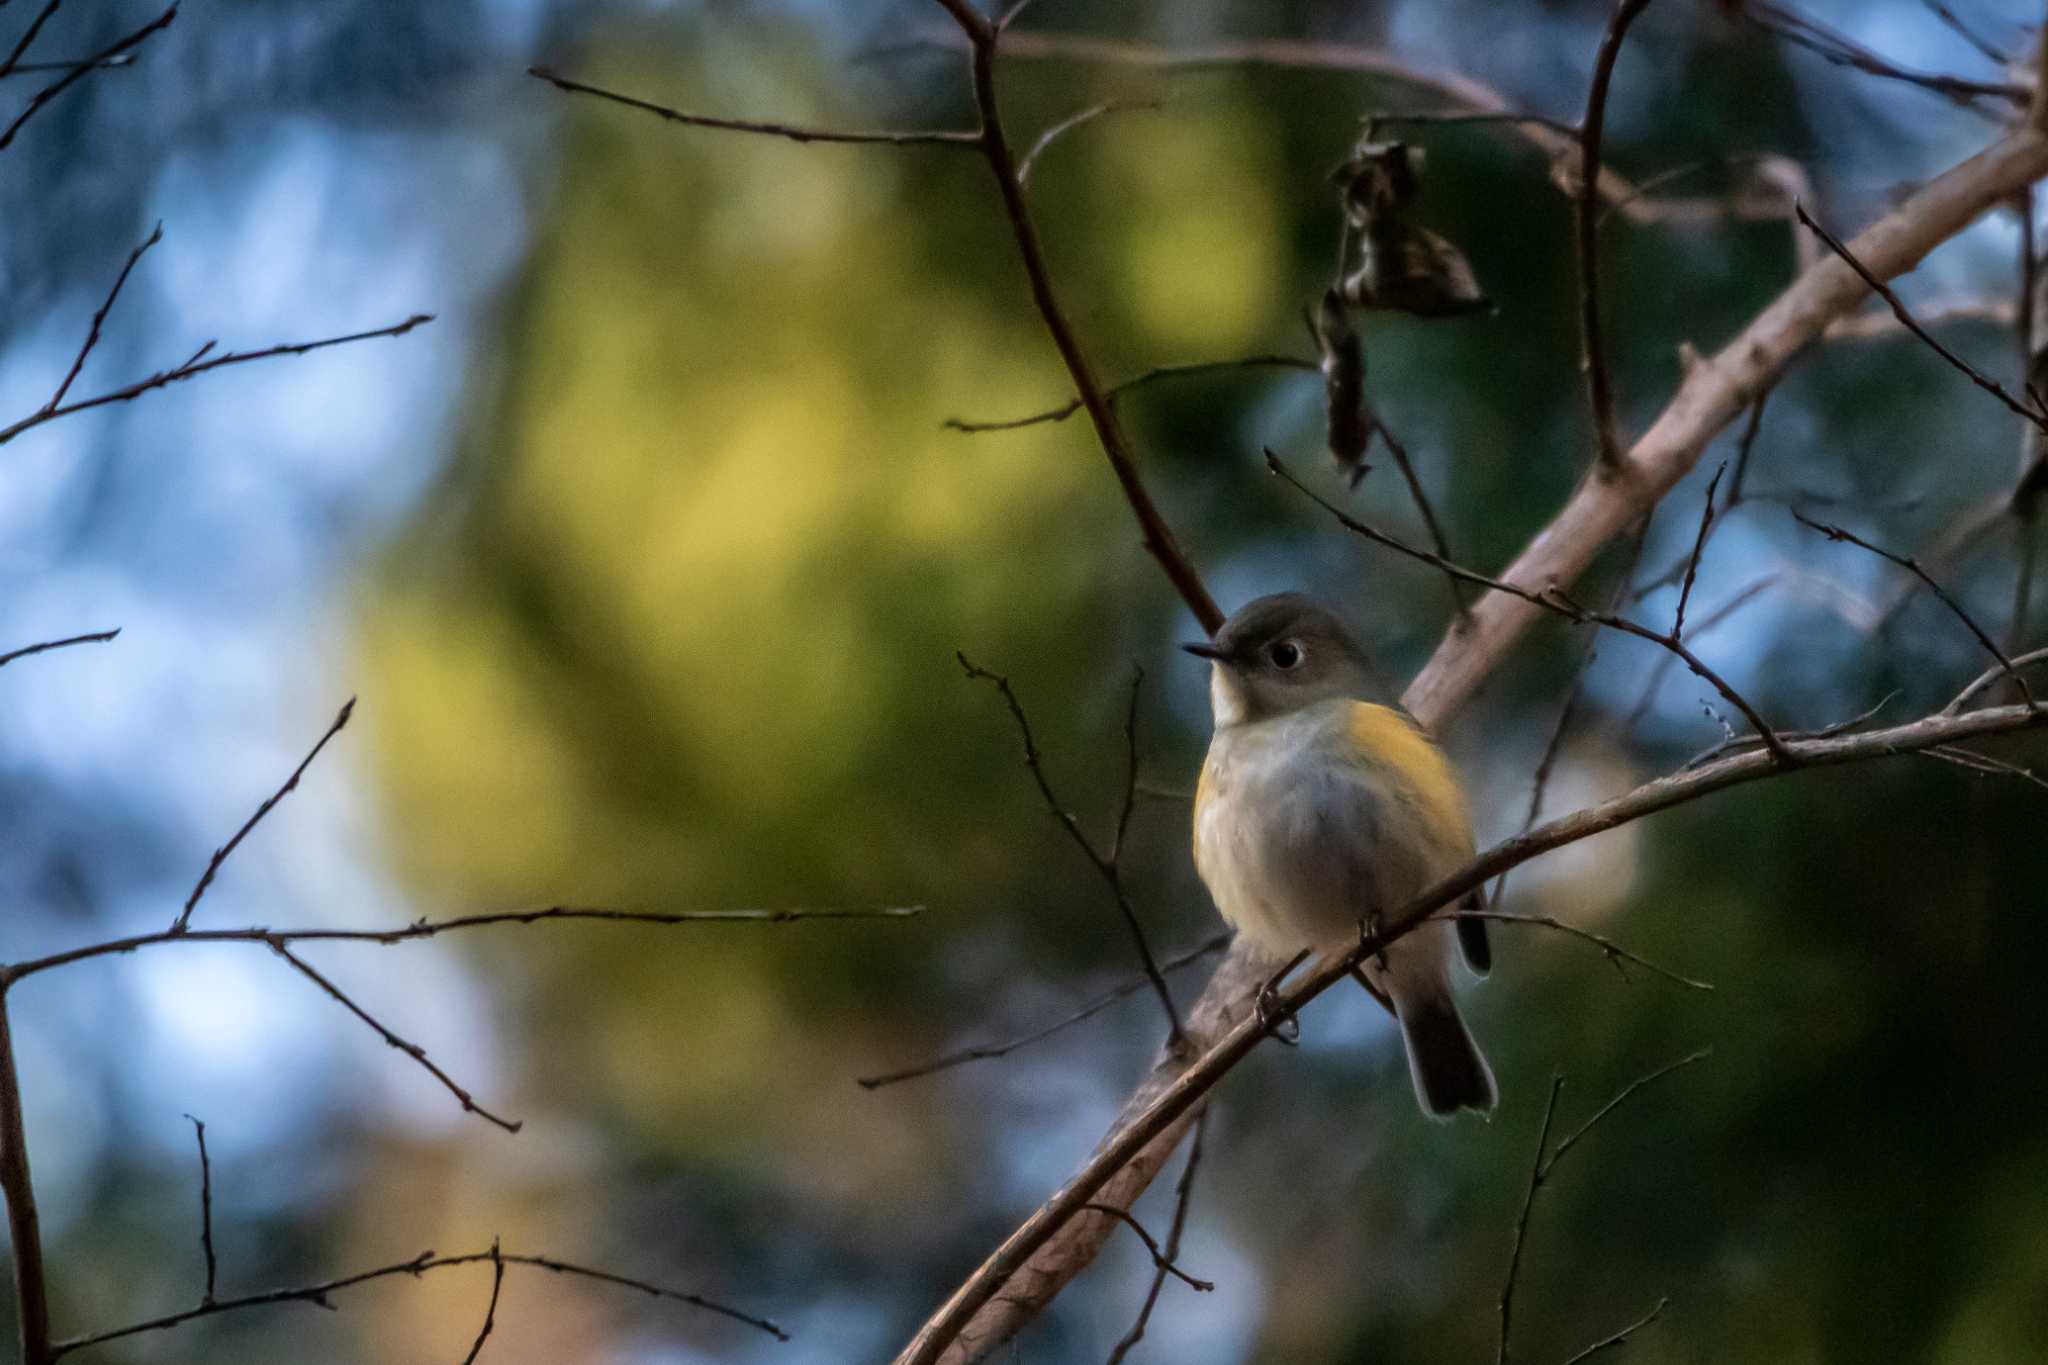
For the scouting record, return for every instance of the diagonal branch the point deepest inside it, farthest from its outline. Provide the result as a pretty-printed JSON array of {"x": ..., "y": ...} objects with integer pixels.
[
  {"x": 1105, "y": 864},
  {"x": 1159, "y": 538},
  {"x": 1614, "y": 951},
  {"x": 1160, "y": 1259},
  {"x": 195, "y": 366},
  {"x": 92, "y": 336},
  {"x": 1072, "y": 122},
  {"x": 205, "y": 1210},
  {"x": 1620, "y": 1338},
  {"x": 220, "y": 855},
  {"x": 410, "y": 1049},
  {"x": 98, "y": 637},
  {"x": 1181, "y": 1195},
  {"x": 24, "y": 1227},
  {"x": 490, "y": 1309},
  {"x": 98, "y": 59},
  {"x": 1906, "y": 320},
  {"x": 1592, "y": 349},
  {"x": 1913, "y": 566},
  {"x": 991, "y": 1051},
  {"x": 794, "y": 132},
  {"x": 1116, "y": 391}
]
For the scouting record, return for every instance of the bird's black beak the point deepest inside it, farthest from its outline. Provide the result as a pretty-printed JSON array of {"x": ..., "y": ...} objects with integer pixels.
[{"x": 1205, "y": 650}]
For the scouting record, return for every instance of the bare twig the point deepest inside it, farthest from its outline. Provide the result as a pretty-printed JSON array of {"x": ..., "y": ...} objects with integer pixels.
[
  {"x": 1069, "y": 124},
  {"x": 1429, "y": 521},
  {"x": 1840, "y": 727},
  {"x": 1159, "y": 538},
  {"x": 1621, "y": 1097},
  {"x": 28, "y": 38},
  {"x": 490, "y": 1309},
  {"x": 428, "y": 928},
  {"x": 1949, "y": 19},
  {"x": 410, "y": 1049},
  {"x": 1540, "y": 1168},
  {"x": 220, "y": 855},
  {"x": 195, "y": 366},
  {"x": 317, "y": 1294},
  {"x": 1507, "y": 1287},
  {"x": 1912, "y": 565},
  {"x": 1592, "y": 350},
  {"x": 1614, "y": 951},
  {"x": 1555, "y": 601},
  {"x": 31, "y": 1285},
  {"x": 1116, "y": 391},
  {"x": 1654, "y": 685},
  {"x": 205, "y": 1209},
  {"x": 1154, "y": 1117},
  {"x": 1181, "y": 1194},
  {"x": 794, "y": 132},
  {"x": 989, "y": 1052},
  {"x": 1906, "y": 319},
  {"x": 1838, "y": 50},
  {"x": 70, "y": 64},
  {"x": 1620, "y": 1338},
  {"x": 92, "y": 336},
  {"x": 97, "y": 60},
  {"x": 1160, "y": 1259},
  {"x": 1105, "y": 864},
  {"x": 1984, "y": 764},
  {"x": 1699, "y": 545},
  {"x": 1990, "y": 676},
  {"x": 97, "y": 637}
]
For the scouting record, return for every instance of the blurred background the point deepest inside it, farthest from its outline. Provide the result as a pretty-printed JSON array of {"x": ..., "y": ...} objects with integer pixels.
[{"x": 648, "y": 559}]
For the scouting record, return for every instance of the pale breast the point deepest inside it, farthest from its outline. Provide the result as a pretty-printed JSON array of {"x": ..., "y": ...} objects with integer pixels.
[{"x": 1300, "y": 833}]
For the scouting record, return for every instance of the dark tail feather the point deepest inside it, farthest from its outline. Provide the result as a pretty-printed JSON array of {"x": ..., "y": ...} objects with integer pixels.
[
  {"x": 1472, "y": 937},
  {"x": 1448, "y": 1071}
]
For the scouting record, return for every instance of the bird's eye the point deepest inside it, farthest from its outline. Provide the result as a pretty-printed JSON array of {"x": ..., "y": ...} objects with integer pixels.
[{"x": 1285, "y": 654}]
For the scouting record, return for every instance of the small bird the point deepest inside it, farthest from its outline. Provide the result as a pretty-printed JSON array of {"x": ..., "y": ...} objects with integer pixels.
[{"x": 1318, "y": 812}]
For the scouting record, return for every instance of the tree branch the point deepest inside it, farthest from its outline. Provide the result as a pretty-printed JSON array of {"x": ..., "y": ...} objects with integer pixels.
[
  {"x": 291, "y": 784},
  {"x": 973, "y": 1320},
  {"x": 794, "y": 132},
  {"x": 1159, "y": 539},
  {"x": 97, "y": 637},
  {"x": 31, "y": 1287},
  {"x": 1592, "y": 350},
  {"x": 94, "y": 62}
]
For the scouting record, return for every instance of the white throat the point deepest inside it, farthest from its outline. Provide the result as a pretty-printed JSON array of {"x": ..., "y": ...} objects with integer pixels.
[{"x": 1226, "y": 697}]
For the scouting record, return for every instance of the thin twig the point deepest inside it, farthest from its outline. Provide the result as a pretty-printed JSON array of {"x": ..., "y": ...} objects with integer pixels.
[
  {"x": 1116, "y": 391},
  {"x": 1621, "y": 1097},
  {"x": 490, "y": 1309},
  {"x": 794, "y": 132},
  {"x": 1984, "y": 764},
  {"x": 1159, "y": 538},
  {"x": 1906, "y": 319},
  {"x": 410, "y": 1049},
  {"x": 1654, "y": 686},
  {"x": 98, "y": 637},
  {"x": 28, "y": 37},
  {"x": 428, "y": 928},
  {"x": 195, "y": 366},
  {"x": 1105, "y": 864},
  {"x": 1592, "y": 350},
  {"x": 1507, "y": 1287},
  {"x": 1620, "y": 1338},
  {"x": 94, "y": 62},
  {"x": 317, "y": 1294},
  {"x": 220, "y": 855},
  {"x": 1069, "y": 124},
  {"x": 1614, "y": 951},
  {"x": 1699, "y": 545},
  {"x": 1429, "y": 521},
  {"x": 205, "y": 1209},
  {"x": 1949, "y": 19},
  {"x": 1840, "y": 727},
  {"x": 92, "y": 336},
  {"x": 1123, "y": 815},
  {"x": 1912, "y": 565},
  {"x": 1554, "y": 601},
  {"x": 1539, "y": 783},
  {"x": 1160, "y": 1259},
  {"x": 70, "y": 64},
  {"x": 1838, "y": 50},
  {"x": 1181, "y": 1193},
  {"x": 991, "y": 1051},
  {"x": 1990, "y": 676}
]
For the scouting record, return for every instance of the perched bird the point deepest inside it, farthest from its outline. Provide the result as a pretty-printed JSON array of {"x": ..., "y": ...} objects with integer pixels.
[{"x": 1319, "y": 812}]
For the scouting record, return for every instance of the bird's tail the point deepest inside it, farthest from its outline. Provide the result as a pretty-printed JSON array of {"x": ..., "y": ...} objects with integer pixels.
[{"x": 1449, "y": 1072}]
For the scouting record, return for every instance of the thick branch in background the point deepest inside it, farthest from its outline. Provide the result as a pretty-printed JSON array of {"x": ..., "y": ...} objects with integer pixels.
[{"x": 1592, "y": 349}]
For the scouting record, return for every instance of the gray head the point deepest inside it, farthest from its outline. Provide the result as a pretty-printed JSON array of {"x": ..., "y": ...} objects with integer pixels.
[{"x": 1279, "y": 654}]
